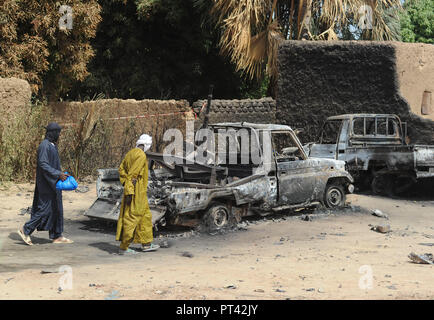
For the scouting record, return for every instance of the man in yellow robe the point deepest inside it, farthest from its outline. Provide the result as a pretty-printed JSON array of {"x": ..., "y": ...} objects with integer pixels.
[{"x": 135, "y": 218}]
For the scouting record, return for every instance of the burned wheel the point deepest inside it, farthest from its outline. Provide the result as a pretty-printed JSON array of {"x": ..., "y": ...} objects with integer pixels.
[
  {"x": 334, "y": 196},
  {"x": 382, "y": 185},
  {"x": 216, "y": 217}
]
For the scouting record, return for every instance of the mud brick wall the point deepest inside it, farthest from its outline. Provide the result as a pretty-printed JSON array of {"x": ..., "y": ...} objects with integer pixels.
[
  {"x": 247, "y": 110},
  {"x": 321, "y": 79},
  {"x": 14, "y": 98},
  {"x": 119, "y": 135}
]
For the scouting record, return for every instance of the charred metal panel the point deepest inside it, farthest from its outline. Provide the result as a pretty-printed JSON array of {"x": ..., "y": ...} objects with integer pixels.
[
  {"x": 306, "y": 179},
  {"x": 183, "y": 200},
  {"x": 424, "y": 155},
  {"x": 262, "y": 189}
]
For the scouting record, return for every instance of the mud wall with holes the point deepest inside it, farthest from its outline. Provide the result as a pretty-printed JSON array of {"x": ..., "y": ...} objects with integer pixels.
[
  {"x": 247, "y": 110},
  {"x": 321, "y": 79}
]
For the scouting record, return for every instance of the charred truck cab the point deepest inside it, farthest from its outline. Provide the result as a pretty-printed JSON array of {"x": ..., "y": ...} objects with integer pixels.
[
  {"x": 266, "y": 172},
  {"x": 375, "y": 150}
]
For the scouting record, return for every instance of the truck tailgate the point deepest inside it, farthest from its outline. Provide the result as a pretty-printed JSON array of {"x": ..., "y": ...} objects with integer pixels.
[
  {"x": 109, "y": 210},
  {"x": 424, "y": 161}
]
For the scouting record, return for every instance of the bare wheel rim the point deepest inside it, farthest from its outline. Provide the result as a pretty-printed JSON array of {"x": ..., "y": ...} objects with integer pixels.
[
  {"x": 220, "y": 217},
  {"x": 334, "y": 197}
]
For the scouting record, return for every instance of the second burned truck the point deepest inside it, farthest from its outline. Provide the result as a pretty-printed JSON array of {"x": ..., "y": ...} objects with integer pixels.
[{"x": 375, "y": 150}]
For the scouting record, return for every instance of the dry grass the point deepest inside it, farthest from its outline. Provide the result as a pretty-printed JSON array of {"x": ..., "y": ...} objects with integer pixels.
[{"x": 19, "y": 140}]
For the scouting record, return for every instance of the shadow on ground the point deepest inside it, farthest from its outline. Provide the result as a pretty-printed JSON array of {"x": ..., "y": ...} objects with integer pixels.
[
  {"x": 105, "y": 227},
  {"x": 36, "y": 240},
  {"x": 104, "y": 246},
  {"x": 423, "y": 190}
]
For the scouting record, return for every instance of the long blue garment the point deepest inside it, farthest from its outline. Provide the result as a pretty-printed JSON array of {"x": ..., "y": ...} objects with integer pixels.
[{"x": 47, "y": 209}]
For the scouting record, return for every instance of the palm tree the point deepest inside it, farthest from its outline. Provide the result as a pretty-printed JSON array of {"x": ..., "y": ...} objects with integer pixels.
[{"x": 251, "y": 30}]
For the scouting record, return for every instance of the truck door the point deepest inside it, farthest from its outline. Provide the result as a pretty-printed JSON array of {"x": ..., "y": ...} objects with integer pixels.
[
  {"x": 327, "y": 145},
  {"x": 295, "y": 173},
  {"x": 342, "y": 141}
]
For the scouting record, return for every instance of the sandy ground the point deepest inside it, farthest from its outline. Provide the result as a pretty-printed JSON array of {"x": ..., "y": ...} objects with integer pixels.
[{"x": 333, "y": 256}]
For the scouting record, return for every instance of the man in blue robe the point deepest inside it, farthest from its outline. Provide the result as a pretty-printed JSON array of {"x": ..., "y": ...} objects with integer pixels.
[{"x": 47, "y": 208}]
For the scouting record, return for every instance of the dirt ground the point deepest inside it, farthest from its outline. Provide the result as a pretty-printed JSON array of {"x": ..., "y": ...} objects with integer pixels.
[{"x": 332, "y": 256}]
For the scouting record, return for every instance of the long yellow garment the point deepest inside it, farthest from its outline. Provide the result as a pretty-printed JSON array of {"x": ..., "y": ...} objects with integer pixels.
[{"x": 135, "y": 220}]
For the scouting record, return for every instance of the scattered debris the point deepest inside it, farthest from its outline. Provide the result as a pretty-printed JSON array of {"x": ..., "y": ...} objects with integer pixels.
[
  {"x": 24, "y": 211},
  {"x": 8, "y": 279},
  {"x": 242, "y": 226},
  {"x": 429, "y": 244},
  {"x": 309, "y": 289},
  {"x": 354, "y": 208},
  {"x": 113, "y": 295},
  {"x": 158, "y": 292},
  {"x": 187, "y": 254},
  {"x": 426, "y": 258},
  {"x": 165, "y": 244},
  {"x": 279, "y": 290},
  {"x": 49, "y": 271},
  {"x": 306, "y": 218},
  {"x": 380, "y": 214},
  {"x": 82, "y": 189},
  {"x": 392, "y": 287},
  {"x": 382, "y": 228}
]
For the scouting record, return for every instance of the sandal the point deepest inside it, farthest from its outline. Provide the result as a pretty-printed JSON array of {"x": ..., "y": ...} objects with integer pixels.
[
  {"x": 151, "y": 247},
  {"x": 26, "y": 238},
  {"x": 62, "y": 240}
]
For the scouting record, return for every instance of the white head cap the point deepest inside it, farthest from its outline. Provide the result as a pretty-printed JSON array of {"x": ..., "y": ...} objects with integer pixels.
[{"x": 146, "y": 141}]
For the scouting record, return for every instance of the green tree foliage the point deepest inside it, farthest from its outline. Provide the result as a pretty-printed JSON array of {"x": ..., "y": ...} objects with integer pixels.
[
  {"x": 417, "y": 21},
  {"x": 159, "y": 49},
  {"x": 33, "y": 46}
]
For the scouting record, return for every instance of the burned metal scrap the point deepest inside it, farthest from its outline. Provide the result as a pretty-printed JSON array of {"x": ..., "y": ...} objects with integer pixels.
[
  {"x": 375, "y": 150},
  {"x": 215, "y": 193}
]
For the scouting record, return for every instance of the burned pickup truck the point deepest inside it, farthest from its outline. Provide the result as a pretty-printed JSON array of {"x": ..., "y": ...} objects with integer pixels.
[
  {"x": 375, "y": 150},
  {"x": 255, "y": 169}
]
